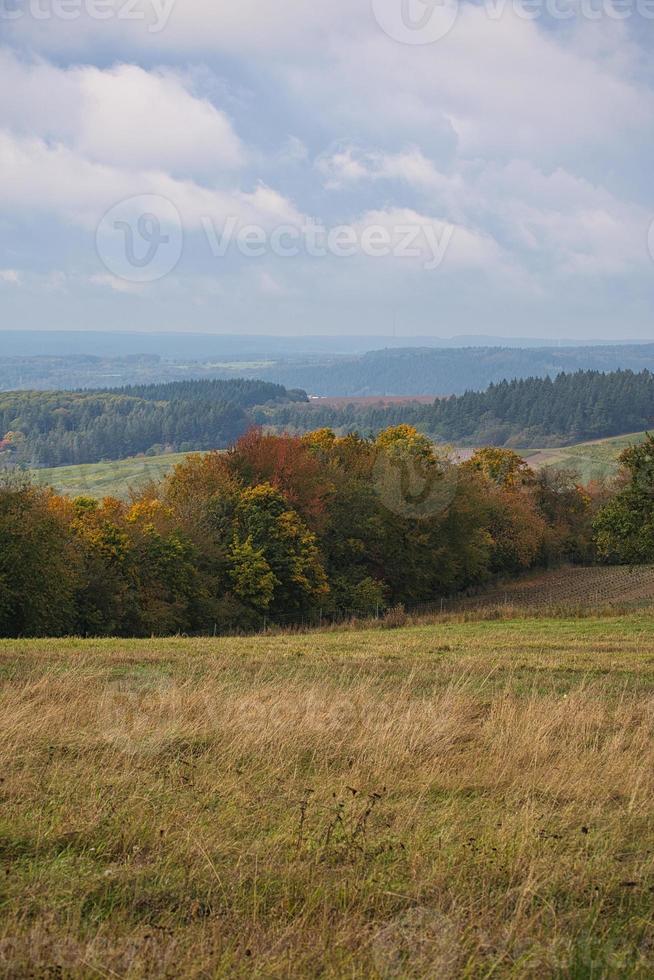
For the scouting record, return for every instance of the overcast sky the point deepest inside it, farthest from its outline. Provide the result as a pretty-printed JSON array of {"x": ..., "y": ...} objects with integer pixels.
[{"x": 327, "y": 167}]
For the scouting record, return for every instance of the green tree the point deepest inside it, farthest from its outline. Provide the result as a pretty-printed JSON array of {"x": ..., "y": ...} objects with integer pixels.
[
  {"x": 38, "y": 563},
  {"x": 252, "y": 578},
  {"x": 277, "y": 534},
  {"x": 624, "y": 528}
]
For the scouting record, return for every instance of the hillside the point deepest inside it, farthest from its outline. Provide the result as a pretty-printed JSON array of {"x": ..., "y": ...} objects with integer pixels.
[
  {"x": 592, "y": 460},
  {"x": 570, "y": 587},
  {"x": 464, "y": 799},
  {"x": 61, "y": 428},
  {"x": 111, "y": 479}
]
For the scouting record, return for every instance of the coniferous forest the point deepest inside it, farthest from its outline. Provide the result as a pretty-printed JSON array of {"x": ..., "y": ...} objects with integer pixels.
[
  {"x": 66, "y": 428},
  {"x": 519, "y": 413}
]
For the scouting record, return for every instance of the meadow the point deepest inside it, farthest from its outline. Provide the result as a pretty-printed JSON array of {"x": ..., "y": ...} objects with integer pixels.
[
  {"x": 592, "y": 460},
  {"x": 453, "y": 799},
  {"x": 110, "y": 479}
]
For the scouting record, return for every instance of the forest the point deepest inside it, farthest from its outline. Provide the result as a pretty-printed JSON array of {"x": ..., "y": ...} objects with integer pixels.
[
  {"x": 60, "y": 428},
  {"x": 520, "y": 413},
  {"x": 285, "y": 527},
  {"x": 67, "y": 428}
]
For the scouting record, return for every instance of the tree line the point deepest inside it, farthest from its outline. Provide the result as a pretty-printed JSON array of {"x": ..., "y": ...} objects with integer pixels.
[
  {"x": 68, "y": 428},
  {"x": 519, "y": 413},
  {"x": 281, "y": 527}
]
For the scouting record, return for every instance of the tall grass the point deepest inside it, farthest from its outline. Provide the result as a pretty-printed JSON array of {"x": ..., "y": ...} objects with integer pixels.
[{"x": 459, "y": 800}]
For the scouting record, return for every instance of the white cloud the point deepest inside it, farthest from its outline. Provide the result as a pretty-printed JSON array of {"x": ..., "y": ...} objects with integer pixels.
[
  {"x": 348, "y": 164},
  {"x": 75, "y": 142},
  {"x": 10, "y": 276},
  {"x": 504, "y": 84},
  {"x": 117, "y": 284},
  {"x": 123, "y": 116},
  {"x": 261, "y": 26},
  {"x": 573, "y": 226},
  {"x": 38, "y": 177},
  {"x": 501, "y": 87},
  {"x": 270, "y": 285}
]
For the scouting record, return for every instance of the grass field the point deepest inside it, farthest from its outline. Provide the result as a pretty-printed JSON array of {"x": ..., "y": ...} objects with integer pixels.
[
  {"x": 113, "y": 479},
  {"x": 464, "y": 799},
  {"x": 590, "y": 459}
]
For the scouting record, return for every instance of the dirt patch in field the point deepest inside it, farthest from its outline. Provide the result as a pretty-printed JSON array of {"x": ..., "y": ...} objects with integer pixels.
[
  {"x": 574, "y": 585},
  {"x": 372, "y": 400}
]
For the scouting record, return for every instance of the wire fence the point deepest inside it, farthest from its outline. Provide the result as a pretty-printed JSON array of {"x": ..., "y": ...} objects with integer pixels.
[
  {"x": 572, "y": 590},
  {"x": 323, "y": 618}
]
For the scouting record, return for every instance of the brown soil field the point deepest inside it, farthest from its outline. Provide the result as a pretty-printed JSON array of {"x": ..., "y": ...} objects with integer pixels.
[
  {"x": 372, "y": 400},
  {"x": 593, "y": 587}
]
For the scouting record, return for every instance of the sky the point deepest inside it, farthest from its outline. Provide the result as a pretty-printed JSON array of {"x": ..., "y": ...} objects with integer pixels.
[{"x": 417, "y": 167}]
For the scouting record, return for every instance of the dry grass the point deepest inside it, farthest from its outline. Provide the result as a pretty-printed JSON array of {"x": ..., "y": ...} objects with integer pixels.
[{"x": 459, "y": 800}]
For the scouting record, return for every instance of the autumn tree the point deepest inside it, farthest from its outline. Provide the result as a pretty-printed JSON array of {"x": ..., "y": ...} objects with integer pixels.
[
  {"x": 503, "y": 467},
  {"x": 287, "y": 464}
]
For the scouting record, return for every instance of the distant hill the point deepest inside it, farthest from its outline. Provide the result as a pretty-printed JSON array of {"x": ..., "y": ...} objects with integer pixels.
[
  {"x": 335, "y": 367},
  {"x": 238, "y": 346},
  {"x": 428, "y": 371}
]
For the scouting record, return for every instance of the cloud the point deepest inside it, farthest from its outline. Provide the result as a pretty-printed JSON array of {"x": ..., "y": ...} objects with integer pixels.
[
  {"x": 519, "y": 147},
  {"x": 498, "y": 82},
  {"x": 261, "y": 26},
  {"x": 123, "y": 116},
  {"x": 348, "y": 164},
  {"x": 570, "y": 225},
  {"x": 10, "y": 276},
  {"x": 36, "y": 177},
  {"x": 269, "y": 285},
  {"x": 116, "y": 284},
  {"x": 573, "y": 226}
]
